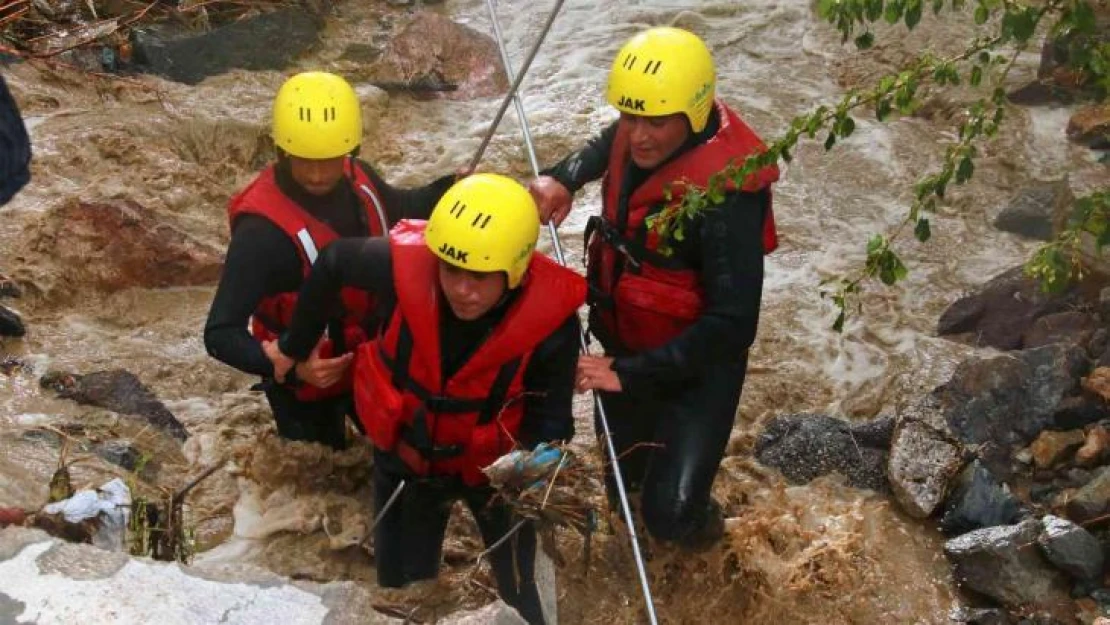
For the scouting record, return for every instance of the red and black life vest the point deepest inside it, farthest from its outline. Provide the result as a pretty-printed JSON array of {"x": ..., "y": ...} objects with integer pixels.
[
  {"x": 459, "y": 425},
  {"x": 642, "y": 298},
  {"x": 310, "y": 236}
]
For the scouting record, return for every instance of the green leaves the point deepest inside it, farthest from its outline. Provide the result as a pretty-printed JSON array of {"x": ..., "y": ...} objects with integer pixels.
[
  {"x": 913, "y": 13},
  {"x": 922, "y": 231}
]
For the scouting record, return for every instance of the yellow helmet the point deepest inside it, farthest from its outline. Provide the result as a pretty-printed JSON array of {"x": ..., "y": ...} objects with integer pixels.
[
  {"x": 485, "y": 222},
  {"x": 663, "y": 71},
  {"x": 317, "y": 115}
]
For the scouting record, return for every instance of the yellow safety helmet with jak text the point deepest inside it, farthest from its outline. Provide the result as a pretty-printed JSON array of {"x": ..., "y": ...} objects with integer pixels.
[
  {"x": 663, "y": 71},
  {"x": 485, "y": 222},
  {"x": 317, "y": 115}
]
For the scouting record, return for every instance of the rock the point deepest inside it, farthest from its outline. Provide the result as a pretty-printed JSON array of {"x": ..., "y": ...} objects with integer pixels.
[
  {"x": 1052, "y": 447},
  {"x": 1098, "y": 383},
  {"x": 1030, "y": 213},
  {"x": 1005, "y": 564},
  {"x": 431, "y": 53},
  {"x": 120, "y": 453},
  {"x": 119, "y": 244},
  {"x": 1002, "y": 403},
  {"x": 1090, "y": 126},
  {"x": 12, "y": 516},
  {"x": 267, "y": 41},
  {"x": 10, "y": 323},
  {"x": 982, "y": 616},
  {"x": 46, "y": 580},
  {"x": 1071, "y": 548},
  {"x": 9, "y": 288},
  {"x": 1079, "y": 412},
  {"x": 1000, "y": 312},
  {"x": 1093, "y": 500},
  {"x": 978, "y": 500},
  {"x": 119, "y": 391},
  {"x": 923, "y": 458},
  {"x": 806, "y": 446},
  {"x": 1071, "y": 327},
  {"x": 1095, "y": 447}
]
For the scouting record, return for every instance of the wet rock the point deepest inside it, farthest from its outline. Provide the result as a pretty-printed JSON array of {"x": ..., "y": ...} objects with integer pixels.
[
  {"x": 431, "y": 53},
  {"x": 10, "y": 323},
  {"x": 1052, "y": 447},
  {"x": 1095, "y": 449},
  {"x": 119, "y": 391},
  {"x": 978, "y": 500},
  {"x": 1071, "y": 327},
  {"x": 1093, "y": 500},
  {"x": 1091, "y": 126},
  {"x": 9, "y": 288},
  {"x": 1098, "y": 383},
  {"x": 1000, "y": 312},
  {"x": 119, "y": 244},
  {"x": 267, "y": 41},
  {"x": 1002, "y": 403},
  {"x": 1005, "y": 564},
  {"x": 1030, "y": 213},
  {"x": 923, "y": 458},
  {"x": 982, "y": 616},
  {"x": 806, "y": 446},
  {"x": 1071, "y": 548},
  {"x": 1079, "y": 412},
  {"x": 120, "y": 453}
]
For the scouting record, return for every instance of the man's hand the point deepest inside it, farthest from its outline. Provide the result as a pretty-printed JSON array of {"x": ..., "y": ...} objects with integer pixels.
[
  {"x": 282, "y": 363},
  {"x": 596, "y": 372},
  {"x": 323, "y": 372},
  {"x": 552, "y": 199}
]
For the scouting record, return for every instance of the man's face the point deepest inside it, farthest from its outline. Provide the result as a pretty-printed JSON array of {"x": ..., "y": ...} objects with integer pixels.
[
  {"x": 317, "y": 176},
  {"x": 653, "y": 139},
  {"x": 471, "y": 294}
]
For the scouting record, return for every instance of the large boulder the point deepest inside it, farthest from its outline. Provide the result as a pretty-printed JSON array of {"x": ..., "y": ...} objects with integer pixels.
[
  {"x": 978, "y": 500},
  {"x": 1071, "y": 548},
  {"x": 118, "y": 244},
  {"x": 1005, "y": 564},
  {"x": 806, "y": 446},
  {"x": 119, "y": 391},
  {"x": 1031, "y": 211},
  {"x": 1000, "y": 312},
  {"x": 924, "y": 458},
  {"x": 433, "y": 54},
  {"x": 1003, "y": 403},
  {"x": 267, "y": 41}
]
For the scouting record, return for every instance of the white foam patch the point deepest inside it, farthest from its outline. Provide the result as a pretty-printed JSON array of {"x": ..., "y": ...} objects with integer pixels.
[{"x": 143, "y": 593}]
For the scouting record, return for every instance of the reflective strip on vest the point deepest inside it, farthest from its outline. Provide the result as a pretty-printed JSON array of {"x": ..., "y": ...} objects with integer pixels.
[
  {"x": 308, "y": 244},
  {"x": 377, "y": 207}
]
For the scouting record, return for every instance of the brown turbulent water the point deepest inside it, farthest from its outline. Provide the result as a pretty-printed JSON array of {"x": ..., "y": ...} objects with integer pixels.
[{"x": 821, "y": 553}]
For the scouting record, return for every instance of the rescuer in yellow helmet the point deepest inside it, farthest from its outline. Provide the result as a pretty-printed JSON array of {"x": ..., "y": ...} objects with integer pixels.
[
  {"x": 675, "y": 308},
  {"x": 477, "y": 357},
  {"x": 317, "y": 191}
]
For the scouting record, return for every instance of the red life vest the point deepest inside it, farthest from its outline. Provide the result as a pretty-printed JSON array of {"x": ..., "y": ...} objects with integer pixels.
[
  {"x": 459, "y": 425},
  {"x": 310, "y": 236},
  {"x": 647, "y": 301}
]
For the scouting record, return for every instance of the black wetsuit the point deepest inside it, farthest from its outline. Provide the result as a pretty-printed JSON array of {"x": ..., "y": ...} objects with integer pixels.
[
  {"x": 262, "y": 260},
  {"x": 683, "y": 395},
  {"x": 15, "y": 147},
  {"x": 409, "y": 539}
]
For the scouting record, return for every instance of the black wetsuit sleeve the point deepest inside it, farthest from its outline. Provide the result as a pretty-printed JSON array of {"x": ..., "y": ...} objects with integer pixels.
[
  {"x": 260, "y": 260},
  {"x": 361, "y": 263},
  {"x": 549, "y": 382},
  {"x": 15, "y": 147},
  {"x": 585, "y": 165},
  {"x": 729, "y": 244},
  {"x": 414, "y": 203}
]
